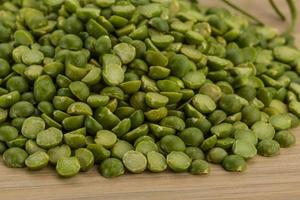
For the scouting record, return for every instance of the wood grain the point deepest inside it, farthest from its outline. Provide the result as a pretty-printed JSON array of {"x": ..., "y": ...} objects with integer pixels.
[{"x": 275, "y": 178}]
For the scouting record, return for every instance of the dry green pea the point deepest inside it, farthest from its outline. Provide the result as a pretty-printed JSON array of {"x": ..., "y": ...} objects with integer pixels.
[
  {"x": 160, "y": 131},
  {"x": 155, "y": 100},
  {"x": 246, "y": 135},
  {"x": 111, "y": 167},
  {"x": 68, "y": 166},
  {"x": 222, "y": 130},
  {"x": 244, "y": 148},
  {"x": 17, "y": 83},
  {"x": 106, "y": 118},
  {"x": 7, "y": 100},
  {"x": 209, "y": 143},
  {"x": 32, "y": 72},
  {"x": 106, "y": 138},
  {"x": 171, "y": 143},
  {"x": 156, "y": 114},
  {"x": 134, "y": 161},
  {"x": 137, "y": 132},
  {"x": 230, "y": 104},
  {"x": 3, "y": 115},
  {"x": 5, "y": 68},
  {"x": 194, "y": 79},
  {"x": 32, "y": 126},
  {"x": 80, "y": 90},
  {"x": 46, "y": 107},
  {"x": 17, "y": 142},
  {"x": 199, "y": 167},
  {"x": 216, "y": 155},
  {"x": 217, "y": 117},
  {"x": 91, "y": 125},
  {"x": 15, "y": 157},
  {"x": 131, "y": 87},
  {"x": 178, "y": 161},
  {"x": 74, "y": 140},
  {"x": 285, "y": 138},
  {"x": 263, "y": 130},
  {"x": 31, "y": 57},
  {"x": 192, "y": 136},
  {"x": 268, "y": 148},
  {"x": 32, "y": 147},
  {"x": 120, "y": 148},
  {"x": 99, "y": 152},
  {"x": 146, "y": 146},
  {"x": 50, "y": 137},
  {"x": 173, "y": 122},
  {"x": 281, "y": 121},
  {"x": 156, "y": 162},
  {"x": 195, "y": 153},
  {"x": 73, "y": 122},
  {"x": 103, "y": 45},
  {"x": 8, "y": 133},
  {"x": 58, "y": 152},
  {"x": 3, "y": 147},
  {"x": 113, "y": 92},
  {"x": 85, "y": 157},
  {"x": 79, "y": 108},
  {"x": 176, "y": 64},
  {"x": 21, "y": 109},
  {"x": 154, "y": 58},
  {"x": 92, "y": 77},
  {"x": 294, "y": 107},
  {"x": 97, "y": 100},
  {"x": 44, "y": 88},
  {"x": 122, "y": 127},
  {"x": 112, "y": 72},
  {"x": 168, "y": 86},
  {"x": 250, "y": 115},
  {"x": 62, "y": 102},
  {"x": 125, "y": 51},
  {"x": 158, "y": 72},
  {"x": 285, "y": 54},
  {"x": 234, "y": 163},
  {"x": 71, "y": 42},
  {"x": 37, "y": 160}
]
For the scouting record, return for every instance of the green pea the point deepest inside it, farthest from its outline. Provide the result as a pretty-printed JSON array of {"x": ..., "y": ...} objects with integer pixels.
[
  {"x": 155, "y": 100},
  {"x": 171, "y": 143},
  {"x": 80, "y": 90},
  {"x": 31, "y": 57},
  {"x": 21, "y": 109},
  {"x": 268, "y": 148},
  {"x": 146, "y": 146},
  {"x": 15, "y": 157},
  {"x": 203, "y": 103},
  {"x": 71, "y": 42},
  {"x": 263, "y": 130},
  {"x": 106, "y": 138},
  {"x": 120, "y": 148},
  {"x": 234, "y": 163},
  {"x": 216, "y": 155},
  {"x": 285, "y": 138},
  {"x": 103, "y": 45},
  {"x": 45, "y": 107},
  {"x": 112, "y": 73},
  {"x": 58, "y": 152},
  {"x": 199, "y": 167},
  {"x": 79, "y": 108},
  {"x": 230, "y": 104},
  {"x": 68, "y": 166},
  {"x": 8, "y": 133},
  {"x": 134, "y": 161},
  {"x": 281, "y": 121},
  {"x": 17, "y": 83},
  {"x": 50, "y": 137},
  {"x": 222, "y": 130},
  {"x": 192, "y": 136},
  {"x": 125, "y": 51},
  {"x": 32, "y": 147},
  {"x": 7, "y": 100},
  {"x": 37, "y": 160},
  {"x": 156, "y": 162},
  {"x": 112, "y": 167},
  {"x": 243, "y": 148},
  {"x": 178, "y": 161},
  {"x": 85, "y": 157},
  {"x": 44, "y": 88},
  {"x": 250, "y": 115},
  {"x": 32, "y": 126},
  {"x": 209, "y": 143}
]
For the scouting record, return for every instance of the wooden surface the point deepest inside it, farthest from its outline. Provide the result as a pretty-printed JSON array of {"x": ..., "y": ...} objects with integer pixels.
[{"x": 275, "y": 178}]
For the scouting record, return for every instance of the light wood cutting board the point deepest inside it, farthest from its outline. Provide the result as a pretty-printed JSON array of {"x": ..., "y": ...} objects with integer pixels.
[{"x": 275, "y": 178}]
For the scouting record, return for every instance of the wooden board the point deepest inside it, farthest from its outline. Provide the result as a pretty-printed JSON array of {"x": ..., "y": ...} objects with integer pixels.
[{"x": 275, "y": 178}]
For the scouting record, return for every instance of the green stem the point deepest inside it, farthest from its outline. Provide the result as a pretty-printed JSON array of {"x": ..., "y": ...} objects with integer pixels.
[
  {"x": 243, "y": 12},
  {"x": 276, "y": 9},
  {"x": 293, "y": 11}
]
